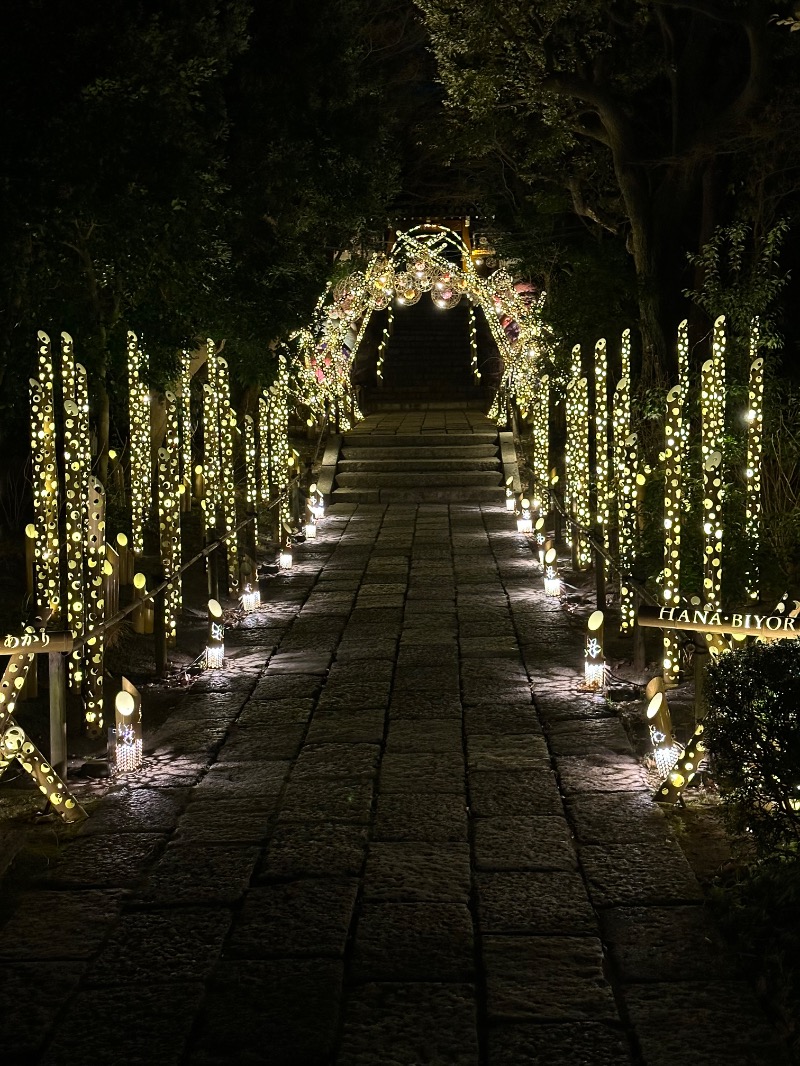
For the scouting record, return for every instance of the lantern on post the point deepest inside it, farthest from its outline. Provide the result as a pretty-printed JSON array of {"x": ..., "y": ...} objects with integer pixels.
[
  {"x": 126, "y": 749},
  {"x": 552, "y": 582},
  {"x": 595, "y": 664},
  {"x": 215, "y": 643}
]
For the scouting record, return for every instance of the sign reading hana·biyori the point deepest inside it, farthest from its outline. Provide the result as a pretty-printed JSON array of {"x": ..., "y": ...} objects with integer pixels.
[{"x": 695, "y": 619}]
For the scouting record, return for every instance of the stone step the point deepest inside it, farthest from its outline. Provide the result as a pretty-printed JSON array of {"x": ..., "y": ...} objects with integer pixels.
[
  {"x": 413, "y": 478},
  {"x": 356, "y": 439},
  {"x": 409, "y": 465},
  {"x": 421, "y": 494},
  {"x": 477, "y": 451}
]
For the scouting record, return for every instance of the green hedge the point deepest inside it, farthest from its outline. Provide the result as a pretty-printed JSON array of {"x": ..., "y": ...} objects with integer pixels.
[{"x": 753, "y": 737}]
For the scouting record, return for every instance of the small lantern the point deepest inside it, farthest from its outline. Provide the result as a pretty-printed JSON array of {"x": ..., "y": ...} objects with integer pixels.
[
  {"x": 659, "y": 720},
  {"x": 285, "y": 557},
  {"x": 524, "y": 521},
  {"x": 552, "y": 582},
  {"x": 311, "y": 528},
  {"x": 251, "y": 599},
  {"x": 316, "y": 504},
  {"x": 215, "y": 645},
  {"x": 538, "y": 530},
  {"x": 595, "y": 664},
  {"x": 126, "y": 752}
]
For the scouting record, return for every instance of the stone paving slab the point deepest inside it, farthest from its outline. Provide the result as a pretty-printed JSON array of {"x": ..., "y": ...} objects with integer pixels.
[{"x": 392, "y": 832}]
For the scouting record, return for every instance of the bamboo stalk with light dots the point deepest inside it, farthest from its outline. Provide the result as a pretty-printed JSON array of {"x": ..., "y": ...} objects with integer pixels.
[
  {"x": 602, "y": 469},
  {"x": 227, "y": 476},
  {"x": 169, "y": 514},
  {"x": 712, "y": 409},
  {"x": 670, "y": 585},
  {"x": 540, "y": 443},
  {"x": 186, "y": 430},
  {"x": 578, "y": 470},
  {"x": 211, "y": 443},
  {"x": 47, "y": 549},
  {"x": 755, "y": 428},
  {"x": 265, "y": 469},
  {"x": 75, "y": 481},
  {"x": 140, "y": 457},
  {"x": 94, "y": 649},
  {"x": 630, "y": 480}
]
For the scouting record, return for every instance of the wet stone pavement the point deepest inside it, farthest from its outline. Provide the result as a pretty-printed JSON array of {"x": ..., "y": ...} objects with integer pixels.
[{"x": 392, "y": 832}]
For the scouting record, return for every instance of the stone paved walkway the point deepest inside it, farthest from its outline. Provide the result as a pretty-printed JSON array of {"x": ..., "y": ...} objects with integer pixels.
[{"x": 367, "y": 843}]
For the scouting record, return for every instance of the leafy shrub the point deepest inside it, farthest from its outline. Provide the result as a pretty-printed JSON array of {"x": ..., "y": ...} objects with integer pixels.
[{"x": 753, "y": 736}]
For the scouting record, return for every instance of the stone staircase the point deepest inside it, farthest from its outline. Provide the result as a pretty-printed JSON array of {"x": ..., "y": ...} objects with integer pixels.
[
  {"x": 432, "y": 455},
  {"x": 428, "y": 362}
]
